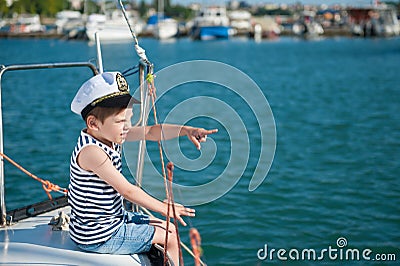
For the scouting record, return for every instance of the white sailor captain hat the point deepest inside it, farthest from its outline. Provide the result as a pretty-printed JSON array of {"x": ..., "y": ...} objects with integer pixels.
[{"x": 108, "y": 89}]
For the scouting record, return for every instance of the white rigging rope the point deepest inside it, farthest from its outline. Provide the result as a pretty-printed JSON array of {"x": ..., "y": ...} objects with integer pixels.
[{"x": 139, "y": 50}]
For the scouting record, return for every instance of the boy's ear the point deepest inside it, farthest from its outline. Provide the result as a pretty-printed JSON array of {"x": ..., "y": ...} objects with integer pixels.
[{"x": 91, "y": 122}]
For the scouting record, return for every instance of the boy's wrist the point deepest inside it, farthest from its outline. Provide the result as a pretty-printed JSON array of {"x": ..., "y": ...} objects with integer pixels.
[{"x": 185, "y": 130}]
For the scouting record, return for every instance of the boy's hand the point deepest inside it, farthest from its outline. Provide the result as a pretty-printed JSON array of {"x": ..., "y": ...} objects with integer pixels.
[
  {"x": 198, "y": 135},
  {"x": 180, "y": 210}
]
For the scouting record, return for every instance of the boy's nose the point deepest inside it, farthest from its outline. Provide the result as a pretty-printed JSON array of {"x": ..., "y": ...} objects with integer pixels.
[{"x": 127, "y": 124}]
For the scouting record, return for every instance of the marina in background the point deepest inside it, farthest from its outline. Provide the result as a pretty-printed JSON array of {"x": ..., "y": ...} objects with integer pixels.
[{"x": 163, "y": 21}]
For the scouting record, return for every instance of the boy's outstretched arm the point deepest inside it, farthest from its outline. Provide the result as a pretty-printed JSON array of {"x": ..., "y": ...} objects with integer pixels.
[
  {"x": 168, "y": 131},
  {"x": 93, "y": 159}
]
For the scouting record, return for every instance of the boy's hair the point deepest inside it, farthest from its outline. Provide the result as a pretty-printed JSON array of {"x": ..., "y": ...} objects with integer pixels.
[{"x": 102, "y": 113}]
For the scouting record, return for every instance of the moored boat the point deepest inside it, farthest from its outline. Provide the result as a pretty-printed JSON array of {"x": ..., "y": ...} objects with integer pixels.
[
  {"x": 112, "y": 26},
  {"x": 212, "y": 23},
  {"x": 307, "y": 27},
  {"x": 166, "y": 28},
  {"x": 68, "y": 20},
  {"x": 240, "y": 20},
  {"x": 27, "y": 23},
  {"x": 379, "y": 20}
]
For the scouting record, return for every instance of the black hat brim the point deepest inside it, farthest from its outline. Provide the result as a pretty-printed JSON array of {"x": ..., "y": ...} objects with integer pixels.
[
  {"x": 118, "y": 101},
  {"x": 122, "y": 101}
]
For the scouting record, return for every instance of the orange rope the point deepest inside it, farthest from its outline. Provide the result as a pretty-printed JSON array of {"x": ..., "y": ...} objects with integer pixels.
[
  {"x": 170, "y": 168},
  {"x": 195, "y": 238},
  {"x": 168, "y": 185},
  {"x": 152, "y": 91},
  {"x": 46, "y": 184},
  {"x": 195, "y": 241},
  {"x": 169, "y": 193}
]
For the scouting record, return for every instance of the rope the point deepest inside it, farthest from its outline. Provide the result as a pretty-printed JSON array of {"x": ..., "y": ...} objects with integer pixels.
[
  {"x": 139, "y": 50},
  {"x": 168, "y": 187},
  {"x": 129, "y": 24},
  {"x": 152, "y": 91},
  {"x": 170, "y": 168},
  {"x": 195, "y": 241},
  {"x": 130, "y": 71},
  {"x": 46, "y": 184}
]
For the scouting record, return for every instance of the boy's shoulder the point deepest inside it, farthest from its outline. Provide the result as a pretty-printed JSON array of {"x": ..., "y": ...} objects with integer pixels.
[{"x": 91, "y": 157}]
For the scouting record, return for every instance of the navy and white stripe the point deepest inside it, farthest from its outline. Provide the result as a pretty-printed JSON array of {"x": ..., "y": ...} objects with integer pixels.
[{"x": 96, "y": 207}]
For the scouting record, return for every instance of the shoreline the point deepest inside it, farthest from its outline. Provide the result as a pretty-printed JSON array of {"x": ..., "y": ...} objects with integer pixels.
[
  {"x": 336, "y": 32},
  {"x": 33, "y": 35}
]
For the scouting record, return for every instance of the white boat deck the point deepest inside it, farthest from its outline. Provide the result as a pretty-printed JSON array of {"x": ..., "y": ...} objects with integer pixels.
[{"x": 33, "y": 242}]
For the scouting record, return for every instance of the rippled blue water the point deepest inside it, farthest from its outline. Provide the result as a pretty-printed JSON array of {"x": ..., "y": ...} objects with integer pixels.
[{"x": 336, "y": 104}]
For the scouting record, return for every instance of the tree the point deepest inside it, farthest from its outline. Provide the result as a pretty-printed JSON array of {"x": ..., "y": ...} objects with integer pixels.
[
  {"x": 3, "y": 8},
  {"x": 142, "y": 8},
  {"x": 41, "y": 7},
  {"x": 180, "y": 12},
  {"x": 50, "y": 8}
]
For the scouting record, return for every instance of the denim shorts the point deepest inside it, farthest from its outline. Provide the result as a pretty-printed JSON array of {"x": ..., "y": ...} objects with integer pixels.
[{"x": 134, "y": 236}]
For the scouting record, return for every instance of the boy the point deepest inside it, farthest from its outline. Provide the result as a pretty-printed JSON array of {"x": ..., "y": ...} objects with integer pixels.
[{"x": 99, "y": 222}]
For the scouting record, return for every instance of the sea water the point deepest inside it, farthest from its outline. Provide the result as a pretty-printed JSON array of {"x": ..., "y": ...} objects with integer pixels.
[{"x": 332, "y": 187}]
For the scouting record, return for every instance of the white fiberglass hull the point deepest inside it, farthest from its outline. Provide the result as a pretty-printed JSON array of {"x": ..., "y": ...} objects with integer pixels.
[
  {"x": 33, "y": 242},
  {"x": 166, "y": 29}
]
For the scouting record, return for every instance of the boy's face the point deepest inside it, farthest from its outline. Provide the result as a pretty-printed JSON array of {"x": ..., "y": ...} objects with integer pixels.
[{"x": 115, "y": 128}]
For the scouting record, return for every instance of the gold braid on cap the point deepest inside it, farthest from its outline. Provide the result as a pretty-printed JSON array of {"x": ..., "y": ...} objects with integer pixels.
[{"x": 108, "y": 97}]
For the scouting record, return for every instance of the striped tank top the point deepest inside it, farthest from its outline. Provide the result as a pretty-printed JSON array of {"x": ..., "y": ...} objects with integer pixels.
[{"x": 96, "y": 207}]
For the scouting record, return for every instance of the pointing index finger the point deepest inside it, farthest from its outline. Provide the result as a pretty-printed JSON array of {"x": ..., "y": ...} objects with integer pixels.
[{"x": 211, "y": 131}]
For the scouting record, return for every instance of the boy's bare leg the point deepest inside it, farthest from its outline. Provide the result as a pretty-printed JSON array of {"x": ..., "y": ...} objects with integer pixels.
[{"x": 159, "y": 238}]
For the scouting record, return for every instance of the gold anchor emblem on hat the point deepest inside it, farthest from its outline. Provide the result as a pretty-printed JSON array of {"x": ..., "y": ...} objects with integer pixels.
[{"x": 121, "y": 82}]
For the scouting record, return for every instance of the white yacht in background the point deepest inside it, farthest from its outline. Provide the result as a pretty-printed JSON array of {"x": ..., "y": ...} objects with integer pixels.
[
  {"x": 165, "y": 27},
  {"x": 307, "y": 27},
  {"x": 27, "y": 23},
  {"x": 240, "y": 20},
  {"x": 379, "y": 20},
  {"x": 67, "y": 20},
  {"x": 212, "y": 23},
  {"x": 112, "y": 26},
  {"x": 70, "y": 23}
]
